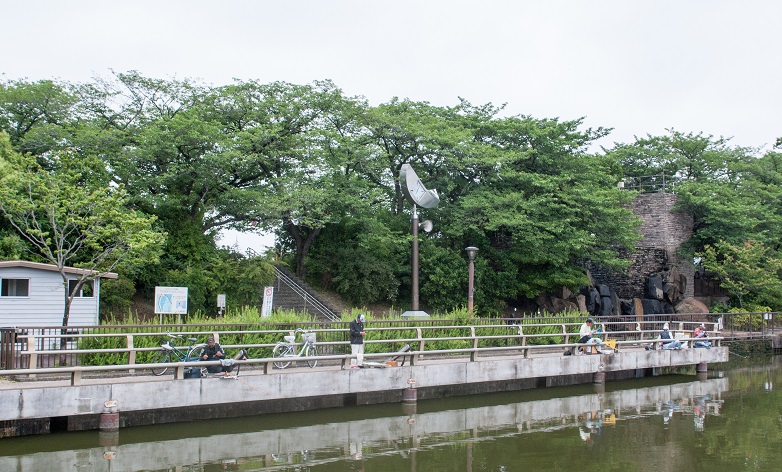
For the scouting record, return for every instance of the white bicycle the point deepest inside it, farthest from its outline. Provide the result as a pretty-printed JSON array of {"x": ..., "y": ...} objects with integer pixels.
[{"x": 288, "y": 349}]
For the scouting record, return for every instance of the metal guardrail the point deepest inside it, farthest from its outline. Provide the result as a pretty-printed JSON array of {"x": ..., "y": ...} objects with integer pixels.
[
  {"x": 477, "y": 341},
  {"x": 651, "y": 183},
  {"x": 18, "y": 342},
  {"x": 316, "y": 305}
]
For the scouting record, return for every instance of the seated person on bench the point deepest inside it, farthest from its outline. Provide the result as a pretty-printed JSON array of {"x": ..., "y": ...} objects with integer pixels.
[
  {"x": 212, "y": 352},
  {"x": 668, "y": 342},
  {"x": 585, "y": 334},
  {"x": 701, "y": 336}
]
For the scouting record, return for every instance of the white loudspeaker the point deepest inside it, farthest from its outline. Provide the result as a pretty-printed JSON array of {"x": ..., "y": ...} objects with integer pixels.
[{"x": 426, "y": 225}]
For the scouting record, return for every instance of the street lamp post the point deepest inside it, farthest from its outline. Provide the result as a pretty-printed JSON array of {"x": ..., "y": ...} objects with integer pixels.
[
  {"x": 471, "y": 277},
  {"x": 414, "y": 261},
  {"x": 418, "y": 195}
]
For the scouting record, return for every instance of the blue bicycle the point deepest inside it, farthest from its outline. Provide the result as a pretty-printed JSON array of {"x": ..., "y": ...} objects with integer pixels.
[{"x": 170, "y": 353}]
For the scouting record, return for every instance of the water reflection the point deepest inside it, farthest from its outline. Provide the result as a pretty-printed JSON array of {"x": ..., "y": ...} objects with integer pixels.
[{"x": 278, "y": 444}]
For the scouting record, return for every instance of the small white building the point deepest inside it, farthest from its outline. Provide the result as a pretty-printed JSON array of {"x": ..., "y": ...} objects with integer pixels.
[{"x": 32, "y": 294}]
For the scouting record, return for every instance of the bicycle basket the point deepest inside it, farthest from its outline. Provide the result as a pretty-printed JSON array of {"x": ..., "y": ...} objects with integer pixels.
[{"x": 309, "y": 337}]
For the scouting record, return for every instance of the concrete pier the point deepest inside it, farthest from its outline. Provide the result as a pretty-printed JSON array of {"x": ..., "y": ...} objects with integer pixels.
[
  {"x": 36, "y": 407},
  {"x": 108, "y": 422}
]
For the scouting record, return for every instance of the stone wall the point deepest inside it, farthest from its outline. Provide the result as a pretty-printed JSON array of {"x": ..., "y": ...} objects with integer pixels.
[
  {"x": 663, "y": 231},
  {"x": 665, "y": 228}
]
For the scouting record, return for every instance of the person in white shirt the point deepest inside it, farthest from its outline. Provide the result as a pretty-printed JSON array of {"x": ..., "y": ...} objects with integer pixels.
[{"x": 585, "y": 335}]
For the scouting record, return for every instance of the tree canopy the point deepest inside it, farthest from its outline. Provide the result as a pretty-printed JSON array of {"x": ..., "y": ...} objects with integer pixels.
[{"x": 320, "y": 169}]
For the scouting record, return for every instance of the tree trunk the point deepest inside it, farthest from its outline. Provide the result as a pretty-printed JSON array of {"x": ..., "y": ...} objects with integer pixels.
[
  {"x": 65, "y": 316},
  {"x": 303, "y": 244}
]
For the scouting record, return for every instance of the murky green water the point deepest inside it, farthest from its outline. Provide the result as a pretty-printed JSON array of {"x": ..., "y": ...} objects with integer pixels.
[{"x": 729, "y": 421}]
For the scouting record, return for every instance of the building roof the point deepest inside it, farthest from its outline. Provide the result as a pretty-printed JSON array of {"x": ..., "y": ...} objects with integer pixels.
[{"x": 52, "y": 267}]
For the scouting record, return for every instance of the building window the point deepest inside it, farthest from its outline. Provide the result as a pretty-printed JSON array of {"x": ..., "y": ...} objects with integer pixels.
[
  {"x": 15, "y": 288},
  {"x": 86, "y": 289}
]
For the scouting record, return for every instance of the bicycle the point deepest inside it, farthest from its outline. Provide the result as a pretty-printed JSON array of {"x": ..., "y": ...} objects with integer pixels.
[
  {"x": 285, "y": 350},
  {"x": 169, "y": 353}
]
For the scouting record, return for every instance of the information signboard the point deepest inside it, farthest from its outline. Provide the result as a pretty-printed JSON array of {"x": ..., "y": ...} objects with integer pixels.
[{"x": 170, "y": 300}]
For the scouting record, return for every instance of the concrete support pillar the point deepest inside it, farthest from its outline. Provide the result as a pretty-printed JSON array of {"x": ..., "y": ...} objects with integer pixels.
[
  {"x": 599, "y": 377},
  {"x": 409, "y": 395},
  {"x": 702, "y": 367},
  {"x": 109, "y": 422},
  {"x": 108, "y": 439}
]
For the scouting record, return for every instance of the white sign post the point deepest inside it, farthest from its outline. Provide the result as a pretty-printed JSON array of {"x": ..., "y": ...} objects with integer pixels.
[
  {"x": 220, "y": 304},
  {"x": 170, "y": 300},
  {"x": 268, "y": 296}
]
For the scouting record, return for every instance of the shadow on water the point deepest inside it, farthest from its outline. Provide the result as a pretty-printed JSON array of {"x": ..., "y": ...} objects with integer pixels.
[{"x": 628, "y": 424}]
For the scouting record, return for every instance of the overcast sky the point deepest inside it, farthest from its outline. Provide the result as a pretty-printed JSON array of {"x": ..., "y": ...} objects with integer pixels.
[{"x": 639, "y": 67}]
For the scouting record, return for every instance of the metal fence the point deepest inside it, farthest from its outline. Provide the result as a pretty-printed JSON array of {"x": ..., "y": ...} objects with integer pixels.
[
  {"x": 47, "y": 347},
  {"x": 434, "y": 342}
]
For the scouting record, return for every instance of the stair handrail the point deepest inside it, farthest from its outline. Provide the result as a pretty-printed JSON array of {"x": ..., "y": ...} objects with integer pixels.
[{"x": 308, "y": 298}]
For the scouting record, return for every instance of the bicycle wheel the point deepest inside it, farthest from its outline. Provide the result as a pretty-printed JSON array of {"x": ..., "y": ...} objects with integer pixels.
[
  {"x": 282, "y": 351},
  {"x": 192, "y": 355},
  {"x": 162, "y": 356},
  {"x": 194, "y": 351},
  {"x": 311, "y": 351}
]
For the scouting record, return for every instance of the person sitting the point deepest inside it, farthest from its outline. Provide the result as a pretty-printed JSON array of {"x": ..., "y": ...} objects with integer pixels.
[
  {"x": 667, "y": 339},
  {"x": 585, "y": 337},
  {"x": 212, "y": 352},
  {"x": 700, "y": 334}
]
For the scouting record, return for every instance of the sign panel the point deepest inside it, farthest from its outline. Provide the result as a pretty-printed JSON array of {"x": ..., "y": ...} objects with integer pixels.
[
  {"x": 268, "y": 296},
  {"x": 221, "y": 300},
  {"x": 170, "y": 300}
]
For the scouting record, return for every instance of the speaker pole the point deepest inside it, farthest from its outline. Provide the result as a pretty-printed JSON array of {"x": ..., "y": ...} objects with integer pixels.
[{"x": 414, "y": 263}]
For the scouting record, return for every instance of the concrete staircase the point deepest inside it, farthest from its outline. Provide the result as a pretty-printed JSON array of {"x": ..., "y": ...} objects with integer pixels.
[{"x": 292, "y": 293}]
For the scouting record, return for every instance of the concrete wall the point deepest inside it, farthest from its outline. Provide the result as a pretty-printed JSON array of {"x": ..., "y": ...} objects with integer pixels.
[
  {"x": 153, "y": 400},
  {"x": 375, "y": 435}
]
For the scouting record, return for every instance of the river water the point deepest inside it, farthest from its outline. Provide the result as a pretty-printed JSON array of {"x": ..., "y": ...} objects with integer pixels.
[{"x": 728, "y": 420}]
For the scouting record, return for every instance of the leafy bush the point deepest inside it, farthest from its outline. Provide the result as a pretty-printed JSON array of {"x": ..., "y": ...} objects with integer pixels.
[{"x": 246, "y": 327}]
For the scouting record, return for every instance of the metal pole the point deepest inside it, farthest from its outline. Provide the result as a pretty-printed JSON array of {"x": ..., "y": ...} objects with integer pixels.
[
  {"x": 414, "y": 262},
  {"x": 470, "y": 278}
]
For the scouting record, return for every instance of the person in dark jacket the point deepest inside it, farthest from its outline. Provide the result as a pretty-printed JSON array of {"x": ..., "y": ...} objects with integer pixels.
[
  {"x": 212, "y": 352},
  {"x": 357, "y": 341}
]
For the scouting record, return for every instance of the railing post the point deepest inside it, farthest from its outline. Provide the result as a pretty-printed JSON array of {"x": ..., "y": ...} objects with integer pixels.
[
  {"x": 474, "y": 353},
  {"x": 7, "y": 348},
  {"x": 131, "y": 352},
  {"x": 32, "y": 349},
  {"x": 76, "y": 378},
  {"x": 414, "y": 359}
]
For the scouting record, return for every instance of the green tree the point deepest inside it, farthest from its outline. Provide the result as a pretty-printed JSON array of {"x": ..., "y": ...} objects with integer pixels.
[
  {"x": 38, "y": 116},
  {"x": 749, "y": 272},
  {"x": 71, "y": 218},
  {"x": 734, "y": 197},
  {"x": 295, "y": 145},
  {"x": 543, "y": 204}
]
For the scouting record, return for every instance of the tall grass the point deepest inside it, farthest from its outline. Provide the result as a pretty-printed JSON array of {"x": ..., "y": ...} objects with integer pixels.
[{"x": 237, "y": 327}]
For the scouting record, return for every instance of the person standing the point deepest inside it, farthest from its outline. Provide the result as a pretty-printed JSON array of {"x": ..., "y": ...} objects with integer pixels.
[{"x": 357, "y": 341}]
